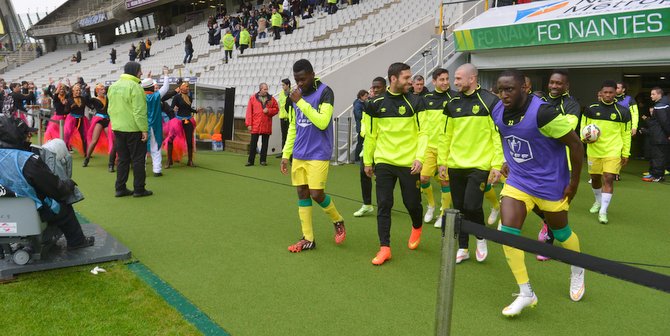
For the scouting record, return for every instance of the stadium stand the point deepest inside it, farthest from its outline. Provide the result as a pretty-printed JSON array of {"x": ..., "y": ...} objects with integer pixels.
[{"x": 324, "y": 39}]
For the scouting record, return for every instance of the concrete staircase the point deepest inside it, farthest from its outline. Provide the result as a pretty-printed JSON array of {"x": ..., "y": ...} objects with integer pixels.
[{"x": 241, "y": 139}]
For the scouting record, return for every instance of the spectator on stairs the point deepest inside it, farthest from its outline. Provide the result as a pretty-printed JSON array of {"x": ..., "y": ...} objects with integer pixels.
[
  {"x": 188, "y": 49},
  {"x": 132, "y": 54},
  {"x": 276, "y": 23},
  {"x": 262, "y": 26},
  {"x": 260, "y": 110},
  {"x": 245, "y": 39},
  {"x": 228, "y": 43}
]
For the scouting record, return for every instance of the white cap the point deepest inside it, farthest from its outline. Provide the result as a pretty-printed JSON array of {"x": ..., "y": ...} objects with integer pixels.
[{"x": 147, "y": 83}]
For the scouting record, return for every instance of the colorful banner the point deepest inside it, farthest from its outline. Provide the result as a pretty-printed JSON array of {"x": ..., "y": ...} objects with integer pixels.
[
  {"x": 550, "y": 22},
  {"x": 130, "y": 4}
]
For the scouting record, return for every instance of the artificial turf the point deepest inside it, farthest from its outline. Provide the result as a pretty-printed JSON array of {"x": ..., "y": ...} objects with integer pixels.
[{"x": 218, "y": 233}]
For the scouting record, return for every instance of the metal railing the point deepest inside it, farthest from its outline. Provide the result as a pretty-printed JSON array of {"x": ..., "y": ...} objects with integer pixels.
[{"x": 434, "y": 53}]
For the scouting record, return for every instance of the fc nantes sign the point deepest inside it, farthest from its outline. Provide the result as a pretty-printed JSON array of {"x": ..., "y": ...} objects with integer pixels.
[{"x": 555, "y": 22}]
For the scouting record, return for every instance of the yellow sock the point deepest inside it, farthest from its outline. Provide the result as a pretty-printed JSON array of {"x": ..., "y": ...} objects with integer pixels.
[
  {"x": 305, "y": 214},
  {"x": 572, "y": 243},
  {"x": 446, "y": 198},
  {"x": 427, "y": 189},
  {"x": 515, "y": 257},
  {"x": 516, "y": 262},
  {"x": 329, "y": 208},
  {"x": 491, "y": 196}
]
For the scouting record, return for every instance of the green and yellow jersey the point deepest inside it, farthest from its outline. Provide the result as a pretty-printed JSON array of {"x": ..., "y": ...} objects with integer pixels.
[
  {"x": 567, "y": 105},
  {"x": 470, "y": 138},
  {"x": 395, "y": 132},
  {"x": 614, "y": 122},
  {"x": 435, "y": 118}
]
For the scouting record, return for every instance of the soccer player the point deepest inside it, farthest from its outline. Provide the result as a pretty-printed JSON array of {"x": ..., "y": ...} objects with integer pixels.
[
  {"x": 434, "y": 123},
  {"x": 607, "y": 155},
  {"x": 534, "y": 138},
  {"x": 629, "y": 102},
  {"x": 310, "y": 141},
  {"x": 470, "y": 146},
  {"x": 376, "y": 90},
  {"x": 396, "y": 118},
  {"x": 560, "y": 98}
]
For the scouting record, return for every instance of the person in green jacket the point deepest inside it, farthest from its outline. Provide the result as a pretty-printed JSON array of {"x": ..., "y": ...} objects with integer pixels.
[
  {"x": 127, "y": 108},
  {"x": 245, "y": 39},
  {"x": 228, "y": 42},
  {"x": 276, "y": 21}
]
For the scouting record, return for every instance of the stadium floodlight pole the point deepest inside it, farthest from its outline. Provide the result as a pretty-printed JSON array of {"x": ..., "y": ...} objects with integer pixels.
[{"x": 445, "y": 289}]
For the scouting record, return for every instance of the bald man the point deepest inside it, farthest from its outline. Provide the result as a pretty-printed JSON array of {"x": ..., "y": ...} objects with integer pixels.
[{"x": 470, "y": 146}]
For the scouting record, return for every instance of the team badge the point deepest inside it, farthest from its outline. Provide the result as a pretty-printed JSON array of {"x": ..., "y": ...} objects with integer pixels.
[
  {"x": 482, "y": 186},
  {"x": 597, "y": 114},
  {"x": 431, "y": 103},
  {"x": 475, "y": 109},
  {"x": 613, "y": 116},
  {"x": 402, "y": 110},
  {"x": 519, "y": 149},
  {"x": 383, "y": 110},
  {"x": 458, "y": 110}
]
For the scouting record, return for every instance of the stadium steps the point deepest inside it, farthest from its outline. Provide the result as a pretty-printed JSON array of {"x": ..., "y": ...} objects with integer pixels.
[
  {"x": 364, "y": 17},
  {"x": 234, "y": 146}
]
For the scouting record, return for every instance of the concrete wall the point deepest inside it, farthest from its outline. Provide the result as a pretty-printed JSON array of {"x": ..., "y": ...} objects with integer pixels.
[{"x": 358, "y": 74}]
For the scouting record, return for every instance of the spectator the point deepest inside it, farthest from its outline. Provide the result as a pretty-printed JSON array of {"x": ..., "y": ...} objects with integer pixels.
[
  {"x": 418, "y": 85},
  {"x": 143, "y": 50},
  {"x": 276, "y": 23},
  {"x": 112, "y": 55},
  {"x": 26, "y": 175},
  {"x": 132, "y": 54},
  {"x": 245, "y": 39},
  {"x": 128, "y": 115},
  {"x": 262, "y": 26},
  {"x": 39, "y": 50},
  {"x": 78, "y": 56},
  {"x": 210, "y": 35},
  {"x": 73, "y": 58},
  {"x": 217, "y": 34},
  {"x": 359, "y": 106},
  {"x": 260, "y": 110},
  {"x": 659, "y": 133},
  {"x": 148, "y": 46},
  {"x": 332, "y": 6},
  {"x": 228, "y": 42},
  {"x": 188, "y": 49}
]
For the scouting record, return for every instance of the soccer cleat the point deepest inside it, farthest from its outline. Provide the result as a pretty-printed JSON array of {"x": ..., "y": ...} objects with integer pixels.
[
  {"x": 340, "y": 232},
  {"x": 493, "y": 217},
  {"x": 595, "y": 208},
  {"x": 302, "y": 244},
  {"x": 543, "y": 236},
  {"x": 577, "y": 287},
  {"x": 382, "y": 256},
  {"x": 651, "y": 178},
  {"x": 414, "y": 238},
  {"x": 364, "y": 210},
  {"x": 482, "y": 250},
  {"x": 519, "y": 304},
  {"x": 461, "y": 255},
  {"x": 602, "y": 218},
  {"x": 430, "y": 211}
]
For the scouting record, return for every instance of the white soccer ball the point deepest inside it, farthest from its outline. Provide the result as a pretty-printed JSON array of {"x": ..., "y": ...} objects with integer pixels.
[{"x": 590, "y": 133}]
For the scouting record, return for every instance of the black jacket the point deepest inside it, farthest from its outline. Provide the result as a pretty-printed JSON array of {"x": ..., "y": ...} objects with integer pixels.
[{"x": 659, "y": 123}]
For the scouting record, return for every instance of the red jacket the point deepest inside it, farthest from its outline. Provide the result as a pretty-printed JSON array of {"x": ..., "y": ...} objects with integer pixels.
[{"x": 260, "y": 122}]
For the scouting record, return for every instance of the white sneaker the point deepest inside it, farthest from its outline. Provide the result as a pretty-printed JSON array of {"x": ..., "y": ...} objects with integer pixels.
[
  {"x": 438, "y": 222},
  {"x": 364, "y": 210},
  {"x": 461, "y": 255},
  {"x": 493, "y": 217},
  {"x": 482, "y": 250},
  {"x": 577, "y": 288},
  {"x": 430, "y": 211},
  {"x": 519, "y": 304}
]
